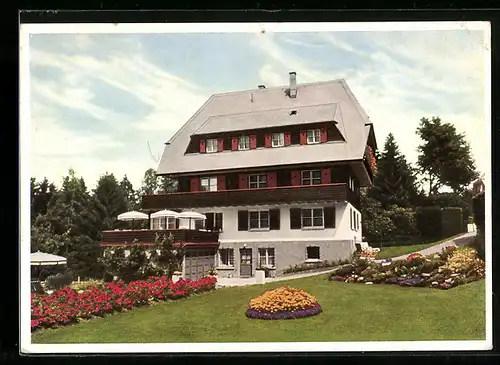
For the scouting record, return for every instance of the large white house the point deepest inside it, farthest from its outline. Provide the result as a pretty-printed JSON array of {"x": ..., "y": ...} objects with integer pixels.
[{"x": 277, "y": 173}]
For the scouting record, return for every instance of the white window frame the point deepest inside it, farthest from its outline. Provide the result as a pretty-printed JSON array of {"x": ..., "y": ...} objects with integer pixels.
[
  {"x": 211, "y": 183},
  {"x": 199, "y": 224},
  {"x": 307, "y": 175},
  {"x": 212, "y": 145},
  {"x": 313, "y": 259},
  {"x": 352, "y": 183},
  {"x": 267, "y": 256},
  {"x": 157, "y": 223},
  {"x": 312, "y": 217},
  {"x": 258, "y": 183},
  {"x": 243, "y": 143},
  {"x": 313, "y": 136},
  {"x": 260, "y": 220},
  {"x": 229, "y": 257},
  {"x": 278, "y": 140}
]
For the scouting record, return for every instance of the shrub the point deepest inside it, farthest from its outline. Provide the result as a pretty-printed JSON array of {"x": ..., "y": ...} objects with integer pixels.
[
  {"x": 283, "y": 303},
  {"x": 59, "y": 281},
  {"x": 478, "y": 245},
  {"x": 428, "y": 221},
  {"x": 478, "y": 208},
  {"x": 404, "y": 221},
  {"x": 309, "y": 266},
  {"x": 452, "y": 221}
]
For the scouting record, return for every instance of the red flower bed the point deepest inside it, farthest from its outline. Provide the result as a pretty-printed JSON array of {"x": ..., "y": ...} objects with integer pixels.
[{"x": 67, "y": 306}]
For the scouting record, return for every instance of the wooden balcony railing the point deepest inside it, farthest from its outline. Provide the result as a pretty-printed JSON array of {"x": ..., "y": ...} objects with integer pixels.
[
  {"x": 282, "y": 194},
  {"x": 147, "y": 236}
]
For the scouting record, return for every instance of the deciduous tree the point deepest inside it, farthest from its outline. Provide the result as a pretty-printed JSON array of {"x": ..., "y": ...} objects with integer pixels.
[{"x": 444, "y": 156}]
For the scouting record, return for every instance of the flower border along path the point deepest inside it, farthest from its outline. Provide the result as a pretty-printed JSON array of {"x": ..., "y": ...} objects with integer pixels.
[{"x": 67, "y": 306}]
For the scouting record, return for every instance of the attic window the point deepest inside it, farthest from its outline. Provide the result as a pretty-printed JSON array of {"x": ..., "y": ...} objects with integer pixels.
[{"x": 293, "y": 112}]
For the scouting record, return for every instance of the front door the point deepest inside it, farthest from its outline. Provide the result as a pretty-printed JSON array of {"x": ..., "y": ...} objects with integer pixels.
[{"x": 245, "y": 262}]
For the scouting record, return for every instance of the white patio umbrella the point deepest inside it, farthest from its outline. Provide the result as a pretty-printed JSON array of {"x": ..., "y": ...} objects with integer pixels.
[
  {"x": 132, "y": 216},
  {"x": 165, "y": 214},
  {"x": 46, "y": 259},
  {"x": 39, "y": 259},
  {"x": 192, "y": 215}
]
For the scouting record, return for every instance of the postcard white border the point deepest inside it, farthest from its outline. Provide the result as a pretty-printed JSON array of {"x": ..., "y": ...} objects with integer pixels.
[{"x": 25, "y": 132}]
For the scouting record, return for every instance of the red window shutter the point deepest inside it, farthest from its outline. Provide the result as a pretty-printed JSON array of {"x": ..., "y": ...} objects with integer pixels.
[
  {"x": 253, "y": 142},
  {"x": 243, "y": 181},
  {"x": 288, "y": 139},
  {"x": 202, "y": 146},
  {"x": 296, "y": 178},
  {"x": 303, "y": 137},
  {"x": 195, "y": 184},
  {"x": 268, "y": 141},
  {"x": 221, "y": 182},
  {"x": 220, "y": 143},
  {"x": 234, "y": 144},
  {"x": 272, "y": 178},
  {"x": 326, "y": 176},
  {"x": 324, "y": 135}
]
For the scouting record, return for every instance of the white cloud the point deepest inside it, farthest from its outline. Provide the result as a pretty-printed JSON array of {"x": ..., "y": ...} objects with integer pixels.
[
  {"x": 56, "y": 146},
  {"x": 402, "y": 80}
]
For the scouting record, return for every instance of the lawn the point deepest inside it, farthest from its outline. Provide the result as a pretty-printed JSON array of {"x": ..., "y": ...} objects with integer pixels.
[
  {"x": 394, "y": 251},
  {"x": 351, "y": 312}
]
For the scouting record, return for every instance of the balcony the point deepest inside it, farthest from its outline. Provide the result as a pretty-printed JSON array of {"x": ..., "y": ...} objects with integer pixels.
[
  {"x": 276, "y": 195},
  {"x": 147, "y": 236}
]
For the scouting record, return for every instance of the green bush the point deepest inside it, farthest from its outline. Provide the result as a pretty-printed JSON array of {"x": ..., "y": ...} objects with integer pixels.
[
  {"x": 429, "y": 222},
  {"x": 452, "y": 222},
  {"x": 478, "y": 245},
  {"x": 59, "y": 281},
  {"x": 404, "y": 221},
  {"x": 478, "y": 207}
]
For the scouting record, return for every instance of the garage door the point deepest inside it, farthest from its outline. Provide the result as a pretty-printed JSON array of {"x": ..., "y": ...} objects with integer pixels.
[{"x": 198, "y": 263}]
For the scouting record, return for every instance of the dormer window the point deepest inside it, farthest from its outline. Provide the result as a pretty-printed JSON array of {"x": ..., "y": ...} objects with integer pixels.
[
  {"x": 293, "y": 112},
  {"x": 244, "y": 143},
  {"x": 313, "y": 136},
  {"x": 211, "y": 146},
  {"x": 278, "y": 139}
]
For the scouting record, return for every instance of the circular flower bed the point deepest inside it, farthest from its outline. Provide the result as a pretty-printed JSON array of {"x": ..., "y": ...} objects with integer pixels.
[{"x": 283, "y": 303}]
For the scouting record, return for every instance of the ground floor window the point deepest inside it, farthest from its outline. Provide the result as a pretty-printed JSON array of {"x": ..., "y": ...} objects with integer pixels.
[
  {"x": 226, "y": 257},
  {"x": 313, "y": 253},
  {"x": 266, "y": 257}
]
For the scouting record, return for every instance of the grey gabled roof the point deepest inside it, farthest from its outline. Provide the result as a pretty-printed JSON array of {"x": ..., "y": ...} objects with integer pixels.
[
  {"x": 269, "y": 104},
  {"x": 269, "y": 118}
]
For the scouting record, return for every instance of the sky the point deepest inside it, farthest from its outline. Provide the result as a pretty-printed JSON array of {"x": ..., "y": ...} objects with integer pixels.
[{"x": 108, "y": 102}]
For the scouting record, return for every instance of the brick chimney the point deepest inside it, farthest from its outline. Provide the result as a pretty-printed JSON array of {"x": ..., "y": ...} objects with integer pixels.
[{"x": 293, "y": 84}]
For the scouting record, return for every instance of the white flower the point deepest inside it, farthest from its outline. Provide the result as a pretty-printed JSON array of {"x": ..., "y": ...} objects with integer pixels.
[
  {"x": 368, "y": 282},
  {"x": 449, "y": 280},
  {"x": 426, "y": 274},
  {"x": 434, "y": 283}
]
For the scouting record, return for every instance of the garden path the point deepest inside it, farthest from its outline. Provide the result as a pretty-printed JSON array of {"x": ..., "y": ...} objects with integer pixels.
[{"x": 457, "y": 241}]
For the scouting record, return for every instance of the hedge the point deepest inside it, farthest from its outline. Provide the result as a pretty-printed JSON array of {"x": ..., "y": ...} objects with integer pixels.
[
  {"x": 429, "y": 222},
  {"x": 451, "y": 221},
  {"x": 478, "y": 207}
]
